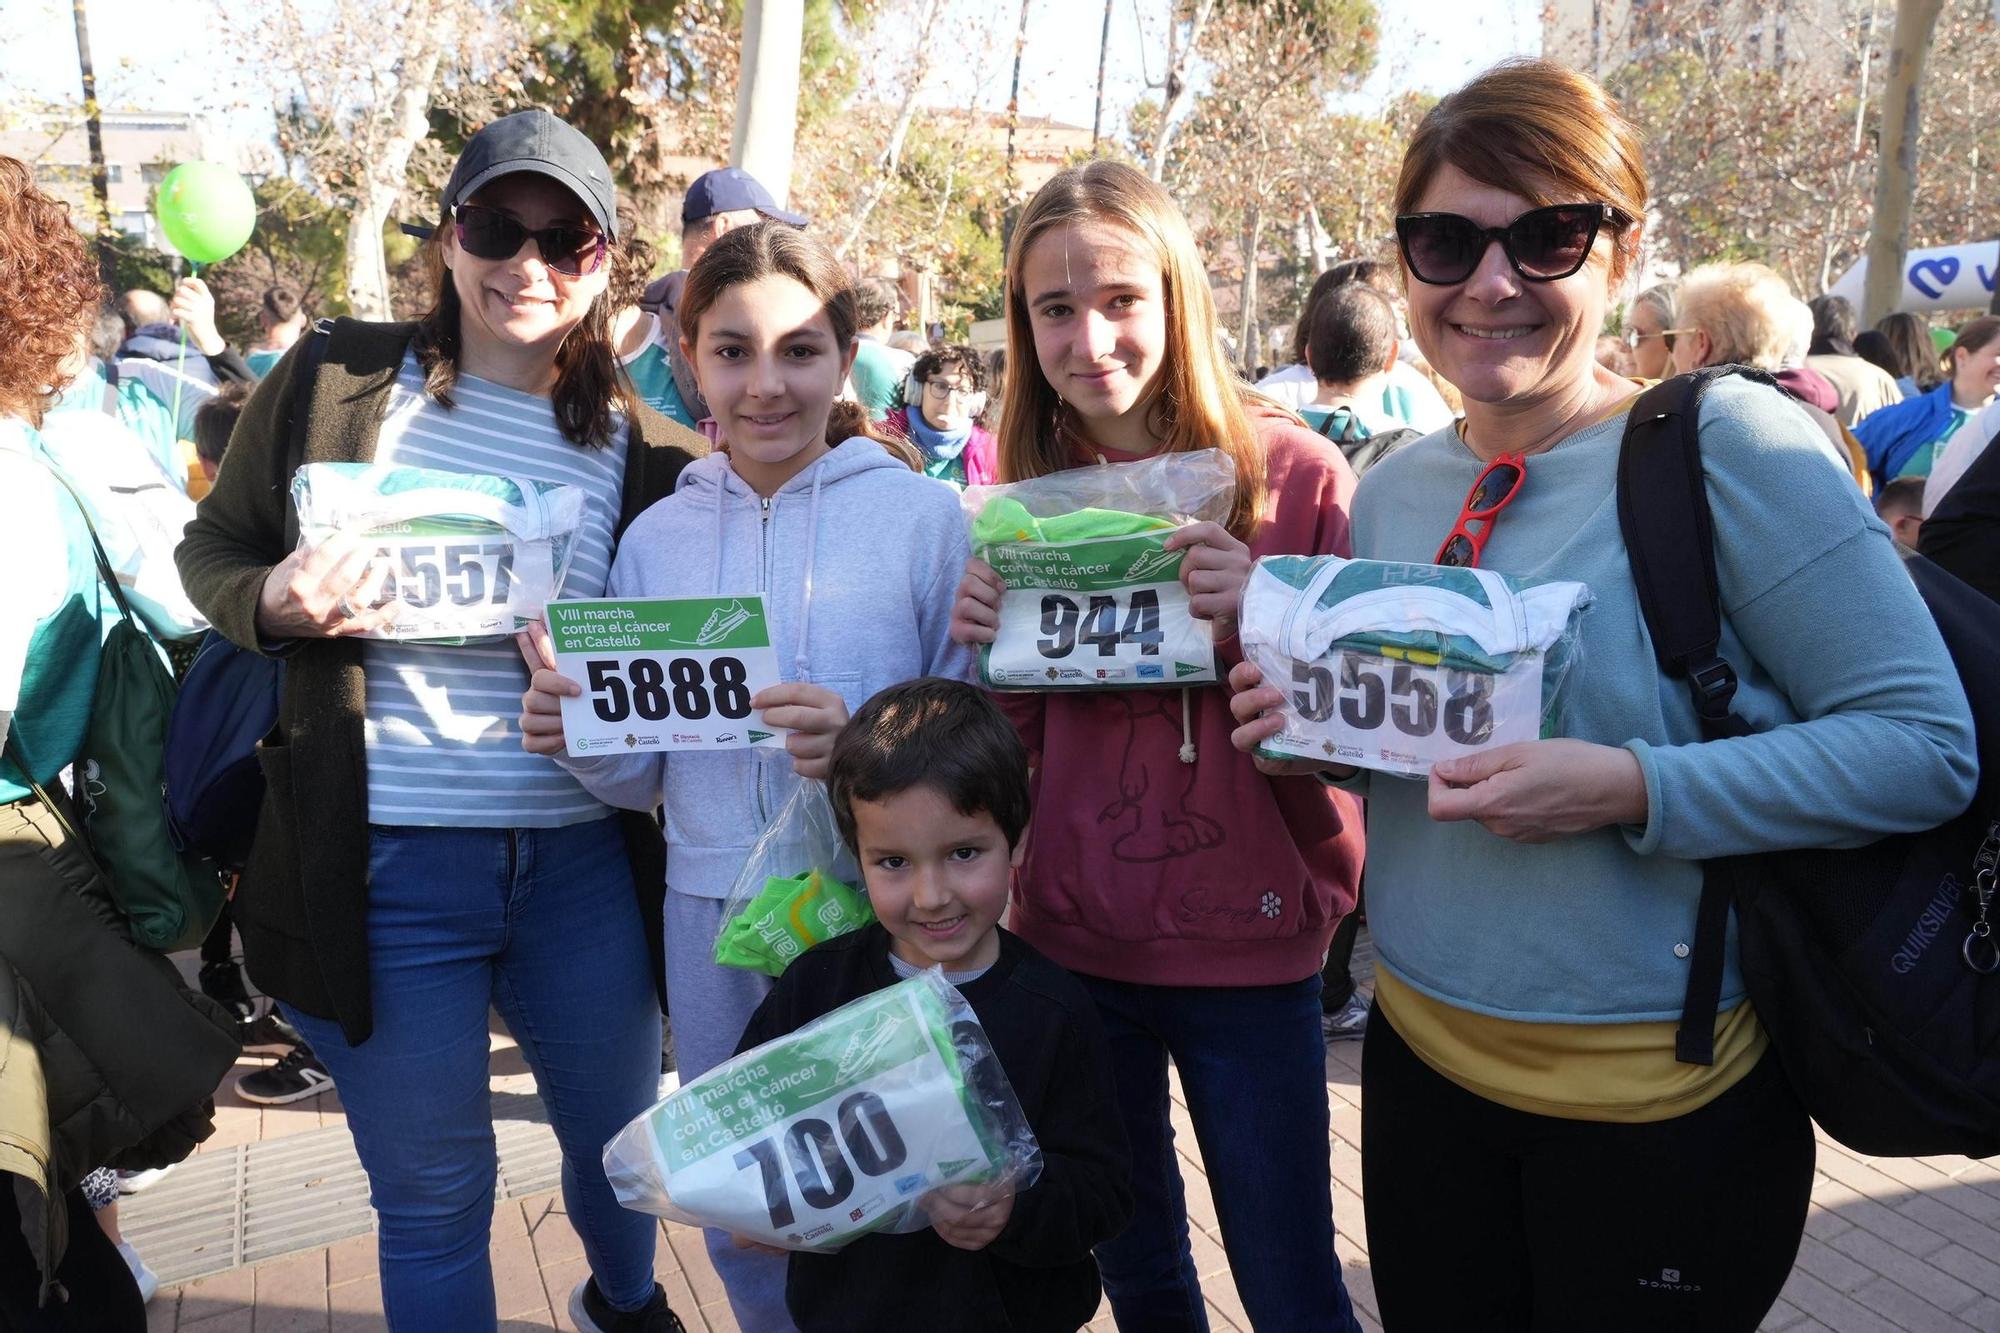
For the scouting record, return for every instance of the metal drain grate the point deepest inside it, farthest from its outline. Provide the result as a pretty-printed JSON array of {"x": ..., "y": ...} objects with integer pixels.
[{"x": 260, "y": 1201}]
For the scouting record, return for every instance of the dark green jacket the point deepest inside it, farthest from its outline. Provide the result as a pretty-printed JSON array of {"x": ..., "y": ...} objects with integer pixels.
[
  {"x": 106, "y": 1058},
  {"x": 303, "y": 900}
]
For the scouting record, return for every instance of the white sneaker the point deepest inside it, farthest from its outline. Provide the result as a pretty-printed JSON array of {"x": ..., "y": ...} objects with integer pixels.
[
  {"x": 148, "y": 1280},
  {"x": 131, "y": 1182},
  {"x": 1350, "y": 1023}
]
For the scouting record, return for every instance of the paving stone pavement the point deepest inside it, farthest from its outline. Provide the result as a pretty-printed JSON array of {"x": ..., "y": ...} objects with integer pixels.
[{"x": 1894, "y": 1245}]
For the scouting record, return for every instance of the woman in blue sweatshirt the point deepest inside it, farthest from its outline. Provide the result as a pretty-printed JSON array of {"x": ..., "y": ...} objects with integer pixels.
[{"x": 1533, "y": 1153}]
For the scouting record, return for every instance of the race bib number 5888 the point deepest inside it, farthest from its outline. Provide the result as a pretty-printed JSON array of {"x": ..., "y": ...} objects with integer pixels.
[{"x": 664, "y": 673}]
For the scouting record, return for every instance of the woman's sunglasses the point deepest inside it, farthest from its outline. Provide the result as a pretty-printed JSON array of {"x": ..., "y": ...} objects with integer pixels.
[
  {"x": 1492, "y": 491},
  {"x": 1543, "y": 244},
  {"x": 568, "y": 249}
]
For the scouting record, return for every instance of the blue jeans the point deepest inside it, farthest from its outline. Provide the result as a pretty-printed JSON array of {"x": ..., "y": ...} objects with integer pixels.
[
  {"x": 712, "y": 1005},
  {"x": 541, "y": 924},
  {"x": 1253, "y": 1069}
]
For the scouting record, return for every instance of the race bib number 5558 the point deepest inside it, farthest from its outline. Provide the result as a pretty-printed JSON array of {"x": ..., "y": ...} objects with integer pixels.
[
  {"x": 1354, "y": 707},
  {"x": 664, "y": 673}
]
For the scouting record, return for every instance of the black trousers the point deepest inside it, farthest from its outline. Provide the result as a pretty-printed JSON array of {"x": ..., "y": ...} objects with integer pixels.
[
  {"x": 1484, "y": 1217},
  {"x": 1336, "y": 975},
  {"x": 103, "y": 1298}
]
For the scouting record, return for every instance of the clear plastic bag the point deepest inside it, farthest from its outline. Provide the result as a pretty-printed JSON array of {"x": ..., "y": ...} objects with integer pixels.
[
  {"x": 836, "y": 1131},
  {"x": 799, "y": 886},
  {"x": 468, "y": 557},
  {"x": 1395, "y": 666},
  {"x": 1094, "y": 600}
]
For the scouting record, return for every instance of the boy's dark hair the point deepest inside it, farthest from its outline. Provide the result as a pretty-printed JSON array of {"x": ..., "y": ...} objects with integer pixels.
[
  {"x": 1353, "y": 335},
  {"x": 1903, "y": 496},
  {"x": 936, "y": 733},
  {"x": 216, "y": 418}
]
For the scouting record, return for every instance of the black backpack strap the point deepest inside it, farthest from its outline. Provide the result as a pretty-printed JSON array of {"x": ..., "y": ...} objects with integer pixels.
[{"x": 1670, "y": 540}]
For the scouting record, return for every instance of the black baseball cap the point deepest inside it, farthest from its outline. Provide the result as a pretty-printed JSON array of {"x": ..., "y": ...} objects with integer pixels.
[
  {"x": 730, "y": 190},
  {"x": 534, "y": 141}
]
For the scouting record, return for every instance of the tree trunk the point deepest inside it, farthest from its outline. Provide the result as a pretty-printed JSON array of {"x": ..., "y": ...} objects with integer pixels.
[
  {"x": 767, "y": 94},
  {"x": 1103, "y": 55},
  {"x": 1865, "y": 58},
  {"x": 406, "y": 121},
  {"x": 1249, "y": 337},
  {"x": 1014, "y": 92},
  {"x": 367, "y": 265},
  {"x": 1896, "y": 161},
  {"x": 892, "y": 152},
  {"x": 1179, "y": 92},
  {"x": 1322, "y": 257},
  {"x": 93, "y": 126}
]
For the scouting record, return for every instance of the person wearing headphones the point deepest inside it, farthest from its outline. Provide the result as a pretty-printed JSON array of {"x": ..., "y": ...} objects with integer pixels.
[{"x": 942, "y": 398}]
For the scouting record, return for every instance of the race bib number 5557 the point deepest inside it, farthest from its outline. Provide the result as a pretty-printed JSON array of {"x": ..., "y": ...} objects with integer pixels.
[{"x": 664, "y": 673}]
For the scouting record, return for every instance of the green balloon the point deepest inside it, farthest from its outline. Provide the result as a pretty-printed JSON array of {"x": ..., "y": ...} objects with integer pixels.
[{"x": 206, "y": 211}]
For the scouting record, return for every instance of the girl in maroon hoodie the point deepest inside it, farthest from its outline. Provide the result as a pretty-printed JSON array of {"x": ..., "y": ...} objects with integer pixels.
[{"x": 1193, "y": 896}]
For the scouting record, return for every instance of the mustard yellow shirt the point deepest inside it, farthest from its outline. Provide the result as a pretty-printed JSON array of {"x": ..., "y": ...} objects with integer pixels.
[{"x": 1620, "y": 1073}]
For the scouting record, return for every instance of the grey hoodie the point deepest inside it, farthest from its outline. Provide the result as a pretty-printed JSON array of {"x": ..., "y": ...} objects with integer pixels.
[{"x": 858, "y": 559}]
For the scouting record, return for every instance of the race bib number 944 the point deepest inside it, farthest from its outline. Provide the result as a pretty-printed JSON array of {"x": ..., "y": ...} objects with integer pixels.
[
  {"x": 664, "y": 673},
  {"x": 1095, "y": 615},
  {"x": 1401, "y": 716}
]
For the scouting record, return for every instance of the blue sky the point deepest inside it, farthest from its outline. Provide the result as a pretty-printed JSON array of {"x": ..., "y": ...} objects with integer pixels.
[{"x": 161, "y": 54}]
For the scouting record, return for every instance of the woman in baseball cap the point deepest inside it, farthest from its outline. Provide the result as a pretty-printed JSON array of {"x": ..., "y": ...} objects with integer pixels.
[{"x": 413, "y": 866}]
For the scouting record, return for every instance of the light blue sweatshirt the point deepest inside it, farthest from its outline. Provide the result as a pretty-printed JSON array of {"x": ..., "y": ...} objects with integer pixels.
[
  {"x": 1863, "y": 728},
  {"x": 858, "y": 559}
]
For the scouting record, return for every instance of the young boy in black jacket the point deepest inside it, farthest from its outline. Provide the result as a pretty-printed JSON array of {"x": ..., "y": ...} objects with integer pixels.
[{"x": 929, "y": 783}]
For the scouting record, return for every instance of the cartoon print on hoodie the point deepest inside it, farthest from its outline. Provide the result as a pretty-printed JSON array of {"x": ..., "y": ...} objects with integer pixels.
[{"x": 1165, "y": 826}]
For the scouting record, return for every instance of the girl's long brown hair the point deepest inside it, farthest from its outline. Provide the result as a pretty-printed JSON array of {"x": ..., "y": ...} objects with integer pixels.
[
  {"x": 1197, "y": 401},
  {"x": 589, "y": 386}
]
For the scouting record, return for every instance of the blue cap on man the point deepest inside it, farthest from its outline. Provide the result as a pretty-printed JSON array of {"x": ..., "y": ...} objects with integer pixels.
[{"x": 731, "y": 190}]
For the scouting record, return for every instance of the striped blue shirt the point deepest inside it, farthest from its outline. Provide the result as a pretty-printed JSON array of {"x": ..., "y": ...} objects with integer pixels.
[{"x": 444, "y": 747}]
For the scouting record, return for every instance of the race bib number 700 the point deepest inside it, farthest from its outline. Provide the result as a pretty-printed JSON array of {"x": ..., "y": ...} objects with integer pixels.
[
  {"x": 664, "y": 673},
  {"x": 1355, "y": 707},
  {"x": 812, "y": 1140}
]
